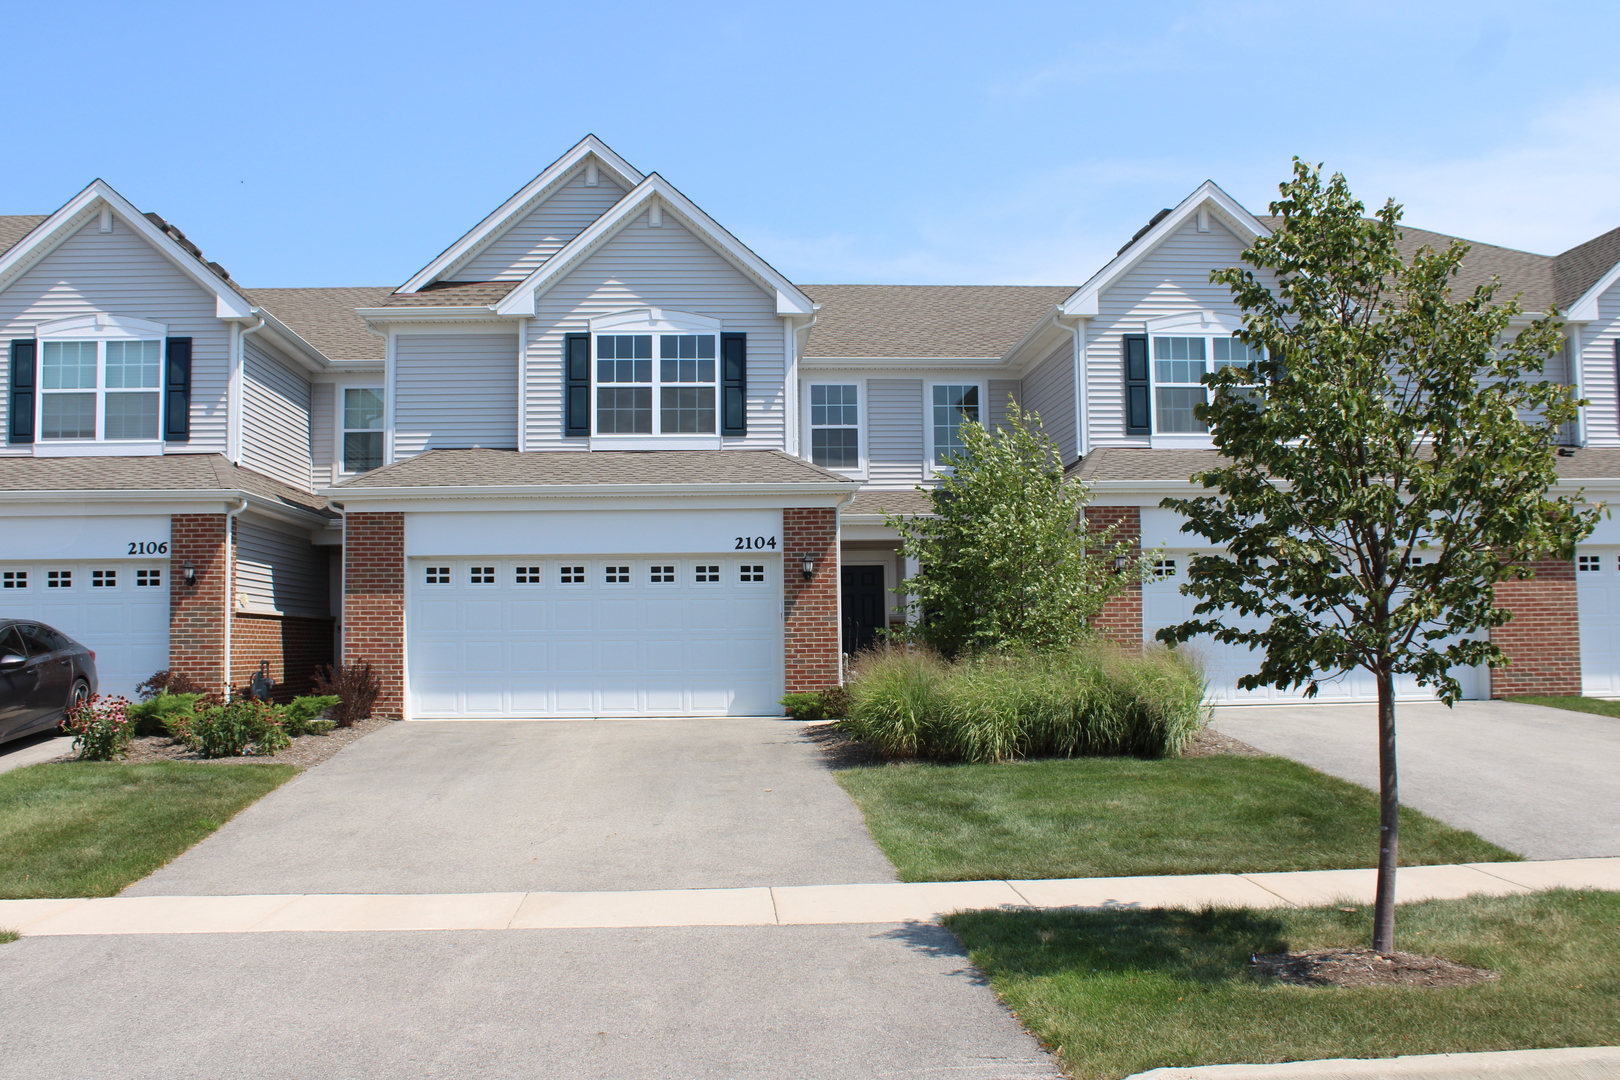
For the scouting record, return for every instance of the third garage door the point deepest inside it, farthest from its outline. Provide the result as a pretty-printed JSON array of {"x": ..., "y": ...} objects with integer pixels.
[{"x": 594, "y": 636}]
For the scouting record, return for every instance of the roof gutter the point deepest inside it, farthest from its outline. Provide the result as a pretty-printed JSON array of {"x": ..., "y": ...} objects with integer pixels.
[{"x": 518, "y": 491}]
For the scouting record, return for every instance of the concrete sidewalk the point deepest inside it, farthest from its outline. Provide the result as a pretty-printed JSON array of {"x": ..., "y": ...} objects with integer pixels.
[
  {"x": 770, "y": 906},
  {"x": 1563, "y": 1063}
]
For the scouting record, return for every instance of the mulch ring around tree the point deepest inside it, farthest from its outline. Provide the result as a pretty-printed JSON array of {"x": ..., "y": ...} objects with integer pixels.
[{"x": 1355, "y": 968}]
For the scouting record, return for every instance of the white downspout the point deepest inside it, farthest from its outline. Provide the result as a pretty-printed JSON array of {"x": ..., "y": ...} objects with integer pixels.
[
  {"x": 233, "y": 447},
  {"x": 523, "y": 385},
  {"x": 790, "y": 390},
  {"x": 230, "y": 580},
  {"x": 1577, "y": 375},
  {"x": 1079, "y": 380}
]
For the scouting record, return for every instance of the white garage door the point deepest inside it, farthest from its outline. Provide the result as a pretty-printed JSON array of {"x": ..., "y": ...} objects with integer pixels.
[
  {"x": 119, "y": 610},
  {"x": 1597, "y": 592},
  {"x": 1163, "y": 605},
  {"x": 594, "y": 636}
]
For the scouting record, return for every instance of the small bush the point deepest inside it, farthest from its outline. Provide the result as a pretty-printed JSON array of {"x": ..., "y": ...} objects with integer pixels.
[
  {"x": 101, "y": 728},
  {"x": 835, "y": 702},
  {"x": 805, "y": 705},
  {"x": 169, "y": 682},
  {"x": 299, "y": 715},
  {"x": 1094, "y": 699},
  {"x": 319, "y": 727},
  {"x": 228, "y": 730},
  {"x": 356, "y": 687},
  {"x": 154, "y": 715}
]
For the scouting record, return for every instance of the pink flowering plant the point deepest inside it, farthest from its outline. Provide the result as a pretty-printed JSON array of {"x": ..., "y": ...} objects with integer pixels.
[{"x": 101, "y": 727}]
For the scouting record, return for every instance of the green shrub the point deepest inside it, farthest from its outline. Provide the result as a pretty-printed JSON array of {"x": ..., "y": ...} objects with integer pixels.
[
  {"x": 805, "y": 705},
  {"x": 1094, "y": 699},
  {"x": 152, "y": 716},
  {"x": 299, "y": 715},
  {"x": 228, "y": 730},
  {"x": 319, "y": 727},
  {"x": 101, "y": 728},
  {"x": 835, "y": 702}
]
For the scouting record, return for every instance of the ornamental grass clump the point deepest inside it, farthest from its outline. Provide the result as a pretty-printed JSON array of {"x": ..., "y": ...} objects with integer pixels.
[
  {"x": 101, "y": 728},
  {"x": 1093, "y": 699}
]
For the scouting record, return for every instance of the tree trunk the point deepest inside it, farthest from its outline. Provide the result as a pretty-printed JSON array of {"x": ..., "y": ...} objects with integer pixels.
[{"x": 1389, "y": 820}]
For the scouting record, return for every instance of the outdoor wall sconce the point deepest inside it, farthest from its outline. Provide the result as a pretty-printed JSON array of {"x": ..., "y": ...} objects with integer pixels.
[
  {"x": 1119, "y": 564},
  {"x": 809, "y": 567},
  {"x": 189, "y": 575}
]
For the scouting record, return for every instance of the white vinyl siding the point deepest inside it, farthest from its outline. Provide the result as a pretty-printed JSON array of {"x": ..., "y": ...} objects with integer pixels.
[
  {"x": 278, "y": 569},
  {"x": 1171, "y": 280},
  {"x": 119, "y": 273},
  {"x": 1598, "y": 371},
  {"x": 1002, "y": 393},
  {"x": 322, "y": 431},
  {"x": 894, "y": 432},
  {"x": 455, "y": 391},
  {"x": 275, "y": 417},
  {"x": 1049, "y": 391},
  {"x": 671, "y": 268},
  {"x": 541, "y": 233}
]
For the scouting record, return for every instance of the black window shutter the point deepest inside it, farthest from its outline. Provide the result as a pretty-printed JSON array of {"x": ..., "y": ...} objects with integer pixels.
[
  {"x": 577, "y": 375},
  {"x": 177, "y": 390},
  {"x": 1138, "y": 392},
  {"x": 24, "y": 370},
  {"x": 734, "y": 384}
]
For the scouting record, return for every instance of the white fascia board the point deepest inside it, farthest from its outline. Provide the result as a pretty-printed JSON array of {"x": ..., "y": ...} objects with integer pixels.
[
  {"x": 46, "y": 236},
  {"x": 918, "y": 362},
  {"x": 1586, "y": 308},
  {"x": 187, "y": 500},
  {"x": 445, "y": 498},
  {"x": 293, "y": 343},
  {"x": 508, "y": 212},
  {"x": 1084, "y": 300},
  {"x": 789, "y": 300},
  {"x": 1037, "y": 344}
]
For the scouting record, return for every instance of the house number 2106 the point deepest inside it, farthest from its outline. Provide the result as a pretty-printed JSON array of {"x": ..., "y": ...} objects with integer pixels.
[{"x": 755, "y": 543}]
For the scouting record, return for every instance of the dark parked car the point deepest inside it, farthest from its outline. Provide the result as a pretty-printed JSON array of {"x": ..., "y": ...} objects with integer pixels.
[{"x": 43, "y": 673}]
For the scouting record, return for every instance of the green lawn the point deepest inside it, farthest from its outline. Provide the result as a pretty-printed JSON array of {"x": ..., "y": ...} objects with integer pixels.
[
  {"x": 1107, "y": 817},
  {"x": 1118, "y": 992},
  {"x": 91, "y": 828},
  {"x": 1573, "y": 704}
]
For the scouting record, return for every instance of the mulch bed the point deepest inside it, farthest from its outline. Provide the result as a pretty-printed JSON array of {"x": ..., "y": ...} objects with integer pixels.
[
  {"x": 305, "y": 751},
  {"x": 1211, "y": 743},
  {"x": 1353, "y": 968},
  {"x": 845, "y": 753}
]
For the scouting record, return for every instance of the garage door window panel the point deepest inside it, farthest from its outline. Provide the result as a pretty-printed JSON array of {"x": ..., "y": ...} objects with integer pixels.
[{"x": 14, "y": 579}]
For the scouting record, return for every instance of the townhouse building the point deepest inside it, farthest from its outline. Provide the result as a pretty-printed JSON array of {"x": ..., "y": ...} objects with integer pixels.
[{"x": 598, "y": 458}]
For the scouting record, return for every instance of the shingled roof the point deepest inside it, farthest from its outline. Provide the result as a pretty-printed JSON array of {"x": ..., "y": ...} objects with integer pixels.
[
  {"x": 168, "y": 472},
  {"x": 326, "y": 318},
  {"x": 922, "y": 321},
  {"x": 1582, "y": 266},
  {"x": 511, "y": 468},
  {"x": 454, "y": 293},
  {"x": 13, "y": 227}
]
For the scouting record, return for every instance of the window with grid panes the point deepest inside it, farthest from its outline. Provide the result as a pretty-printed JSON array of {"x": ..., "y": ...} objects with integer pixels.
[
  {"x": 103, "y": 579},
  {"x": 108, "y": 390},
  {"x": 362, "y": 429},
  {"x": 14, "y": 579},
  {"x": 438, "y": 575},
  {"x": 571, "y": 575},
  {"x": 707, "y": 575},
  {"x": 148, "y": 579},
  {"x": 662, "y": 575},
  {"x": 59, "y": 579},
  {"x": 682, "y": 380},
  {"x": 617, "y": 575},
  {"x": 952, "y": 405},
  {"x": 835, "y": 433},
  {"x": 528, "y": 575},
  {"x": 751, "y": 572},
  {"x": 1589, "y": 563},
  {"x": 1179, "y": 365}
]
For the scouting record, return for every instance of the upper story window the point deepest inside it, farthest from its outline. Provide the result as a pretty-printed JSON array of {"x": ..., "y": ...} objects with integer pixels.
[
  {"x": 104, "y": 390},
  {"x": 835, "y": 433},
  {"x": 1179, "y": 365},
  {"x": 681, "y": 380},
  {"x": 952, "y": 404},
  {"x": 362, "y": 429}
]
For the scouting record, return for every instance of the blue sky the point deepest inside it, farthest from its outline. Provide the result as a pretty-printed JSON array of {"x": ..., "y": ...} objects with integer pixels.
[{"x": 929, "y": 143}]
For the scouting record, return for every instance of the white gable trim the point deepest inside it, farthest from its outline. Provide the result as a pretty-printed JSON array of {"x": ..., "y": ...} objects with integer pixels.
[
  {"x": 655, "y": 190},
  {"x": 101, "y": 327},
  {"x": 1586, "y": 308},
  {"x": 50, "y": 234},
  {"x": 1208, "y": 196},
  {"x": 653, "y": 319},
  {"x": 513, "y": 210}
]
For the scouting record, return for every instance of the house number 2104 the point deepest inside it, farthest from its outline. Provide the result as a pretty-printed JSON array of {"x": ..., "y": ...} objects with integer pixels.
[{"x": 755, "y": 543}]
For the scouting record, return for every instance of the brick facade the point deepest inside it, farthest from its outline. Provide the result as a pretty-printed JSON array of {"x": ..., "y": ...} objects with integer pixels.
[
  {"x": 1120, "y": 620},
  {"x": 197, "y": 612},
  {"x": 810, "y": 638},
  {"x": 1543, "y": 640},
  {"x": 293, "y": 644},
  {"x": 374, "y": 603}
]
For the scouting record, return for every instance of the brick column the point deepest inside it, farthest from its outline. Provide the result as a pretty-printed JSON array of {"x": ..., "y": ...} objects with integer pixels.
[
  {"x": 810, "y": 639},
  {"x": 374, "y": 602},
  {"x": 1543, "y": 639},
  {"x": 1120, "y": 620},
  {"x": 197, "y": 612}
]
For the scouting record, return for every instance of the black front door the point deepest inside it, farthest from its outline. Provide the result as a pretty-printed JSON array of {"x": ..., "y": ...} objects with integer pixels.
[{"x": 865, "y": 606}]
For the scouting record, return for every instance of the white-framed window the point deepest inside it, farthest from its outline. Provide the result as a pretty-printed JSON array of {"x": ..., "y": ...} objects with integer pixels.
[
  {"x": 14, "y": 579},
  {"x": 362, "y": 428},
  {"x": 656, "y": 384},
  {"x": 438, "y": 575},
  {"x": 1164, "y": 568},
  {"x": 661, "y": 574},
  {"x": 1589, "y": 564},
  {"x": 706, "y": 574},
  {"x": 148, "y": 579},
  {"x": 103, "y": 391},
  {"x": 527, "y": 575},
  {"x": 949, "y": 404},
  {"x": 104, "y": 579},
  {"x": 751, "y": 573},
  {"x": 835, "y": 425},
  {"x": 571, "y": 575},
  {"x": 1180, "y": 361},
  {"x": 481, "y": 575},
  {"x": 616, "y": 574}
]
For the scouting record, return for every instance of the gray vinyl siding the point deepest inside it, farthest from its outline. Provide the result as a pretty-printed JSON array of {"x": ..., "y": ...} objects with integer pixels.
[
  {"x": 894, "y": 432},
  {"x": 275, "y": 416},
  {"x": 119, "y": 273},
  {"x": 277, "y": 567},
  {"x": 541, "y": 233},
  {"x": 1002, "y": 393},
  {"x": 671, "y": 268},
  {"x": 454, "y": 391},
  {"x": 1171, "y": 280},
  {"x": 1595, "y": 348},
  {"x": 322, "y": 431},
  {"x": 1049, "y": 391}
]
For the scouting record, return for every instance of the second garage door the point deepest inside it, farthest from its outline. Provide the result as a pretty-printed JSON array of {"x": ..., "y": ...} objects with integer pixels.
[
  {"x": 119, "y": 610},
  {"x": 594, "y": 636}
]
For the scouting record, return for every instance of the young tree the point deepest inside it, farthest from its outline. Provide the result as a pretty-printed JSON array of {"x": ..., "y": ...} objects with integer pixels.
[
  {"x": 1386, "y": 464},
  {"x": 1007, "y": 560}
]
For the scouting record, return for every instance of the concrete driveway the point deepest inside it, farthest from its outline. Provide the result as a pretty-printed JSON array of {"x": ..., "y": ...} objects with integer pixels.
[
  {"x": 1544, "y": 783},
  {"x": 591, "y": 805}
]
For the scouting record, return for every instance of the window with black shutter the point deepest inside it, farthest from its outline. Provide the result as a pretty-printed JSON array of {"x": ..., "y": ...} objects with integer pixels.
[
  {"x": 24, "y": 373},
  {"x": 734, "y": 384},
  {"x": 177, "y": 389},
  {"x": 1138, "y": 389},
  {"x": 577, "y": 362}
]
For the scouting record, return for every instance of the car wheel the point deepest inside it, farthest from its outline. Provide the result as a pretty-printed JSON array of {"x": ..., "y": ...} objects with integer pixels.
[{"x": 78, "y": 695}]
